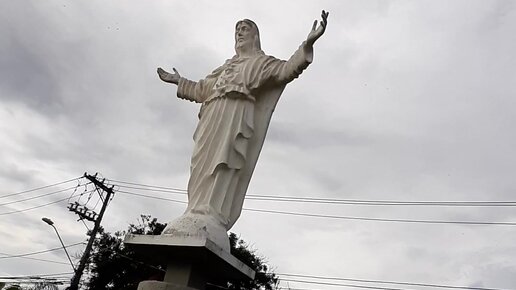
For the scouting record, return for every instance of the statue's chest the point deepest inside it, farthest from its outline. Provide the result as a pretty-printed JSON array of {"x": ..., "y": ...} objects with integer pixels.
[{"x": 233, "y": 75}]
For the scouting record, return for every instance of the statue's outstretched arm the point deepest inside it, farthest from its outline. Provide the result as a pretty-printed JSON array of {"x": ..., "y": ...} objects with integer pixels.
[
  {"x": 186, "y": 89},
  {"x": 168, "y": 77},
  {"x": 285, "y": 71},
  {"x": 317, "y": 32}
]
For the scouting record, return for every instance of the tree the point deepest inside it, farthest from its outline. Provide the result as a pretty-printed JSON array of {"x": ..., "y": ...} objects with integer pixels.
[
  {"x": 14, "y": 287},
  {"x": 264, "y": 279},
  {"x": 113, "y": 266},
  {"x": 34, "y": 286}
]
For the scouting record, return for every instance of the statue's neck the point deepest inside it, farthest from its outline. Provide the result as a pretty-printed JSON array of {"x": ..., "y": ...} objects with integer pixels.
[{"x": 245, "y": 51}]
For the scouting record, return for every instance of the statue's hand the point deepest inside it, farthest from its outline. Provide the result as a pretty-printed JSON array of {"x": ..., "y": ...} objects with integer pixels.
[
  {"x": 316, "y": 32},
  {"x": 168, "y": 77}
]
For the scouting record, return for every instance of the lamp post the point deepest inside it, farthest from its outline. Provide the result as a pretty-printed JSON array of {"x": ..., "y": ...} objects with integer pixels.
[{"x": 51, "y": 223}]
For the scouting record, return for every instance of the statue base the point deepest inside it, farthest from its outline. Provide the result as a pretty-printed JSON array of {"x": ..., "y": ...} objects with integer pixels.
[
  {"x": 201, "y": 226},
  {"x": 191, "y": 261},
  {"x": 158, "y": 285}
]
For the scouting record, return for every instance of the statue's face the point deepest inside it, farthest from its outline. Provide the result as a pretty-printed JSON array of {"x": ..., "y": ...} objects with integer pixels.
[{"x": 244, "y": 35}]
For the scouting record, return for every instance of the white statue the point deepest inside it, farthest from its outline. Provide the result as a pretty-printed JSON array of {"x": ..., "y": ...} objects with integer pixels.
[{"x": 237, "y": 100}]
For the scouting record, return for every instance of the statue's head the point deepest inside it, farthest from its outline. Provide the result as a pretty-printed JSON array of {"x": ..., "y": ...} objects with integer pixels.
[{"x": 247, "y": 37}]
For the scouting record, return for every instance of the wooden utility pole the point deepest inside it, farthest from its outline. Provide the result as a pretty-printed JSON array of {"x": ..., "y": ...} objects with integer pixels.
[{"x": 99, "y": 185}]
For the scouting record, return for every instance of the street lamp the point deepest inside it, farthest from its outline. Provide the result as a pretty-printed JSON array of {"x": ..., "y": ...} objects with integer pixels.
[{"x": 51, "y": 223}]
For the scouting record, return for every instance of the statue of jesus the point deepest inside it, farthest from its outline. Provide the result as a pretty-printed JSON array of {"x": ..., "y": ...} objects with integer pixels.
[{"x": 237, "y": 100}]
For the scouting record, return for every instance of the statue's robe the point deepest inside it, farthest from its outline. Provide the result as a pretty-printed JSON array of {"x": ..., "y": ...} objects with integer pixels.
[{"x": 237, "y": 99}]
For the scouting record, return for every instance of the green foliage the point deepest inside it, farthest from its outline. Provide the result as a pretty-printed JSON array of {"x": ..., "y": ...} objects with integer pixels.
[
  {"x": 34, "y": 286},
  {"x": 264, "y": 279},
  {"x": 113, "y": 266}
]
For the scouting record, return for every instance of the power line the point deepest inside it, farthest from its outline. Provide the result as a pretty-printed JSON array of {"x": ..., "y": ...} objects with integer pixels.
[
  {"x": 57, "y": 278},
  {"x": 147, "y": 185},
  {"x": 34, "y": 207},
  {"x": 40, "y": 252},
  {"x": 38, "y": 196},
  {"x": 290, "y": 288},
  {"x": 343, "y": 217},
  {"x": 37, "y": 259},
  {"x": 382, "y": 288},
  {"x": 37, "y": 275},
  {"x": 331, "y": 200},
  {"x": 134, "y": 261},
  {"x": 153, "y": 197},
  {"x": 152, "y": 189},
  {"x": 53, "y": 281},
  {"x": 384, "y": 282},
  {"x": 42, "y": 187},
  {"x": 382, "y": 219},
  {"x": 343, "y": 285},
  {"x": 42, "y": 205},
  {"x": 381, "y": 202}
]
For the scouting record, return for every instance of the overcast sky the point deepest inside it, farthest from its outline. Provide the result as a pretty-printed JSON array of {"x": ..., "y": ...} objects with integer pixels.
[{"x": 405, "y": 100}]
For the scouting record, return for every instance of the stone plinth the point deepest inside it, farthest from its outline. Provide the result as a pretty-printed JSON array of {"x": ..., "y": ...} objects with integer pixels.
[
  {"x": 158, "y": 285},
  {"x": 191, "y": 261}
]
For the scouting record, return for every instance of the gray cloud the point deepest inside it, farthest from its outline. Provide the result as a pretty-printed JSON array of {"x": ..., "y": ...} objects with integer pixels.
[{"x": 404, "y": 101}]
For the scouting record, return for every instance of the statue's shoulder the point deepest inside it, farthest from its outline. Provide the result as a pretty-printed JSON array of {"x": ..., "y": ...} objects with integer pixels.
[
  {"x": 265, "y": 58},
  {"x": 218, "y": 70}
]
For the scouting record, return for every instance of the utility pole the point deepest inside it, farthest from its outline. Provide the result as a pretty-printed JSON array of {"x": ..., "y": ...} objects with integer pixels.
[{"x": 99, "y": 185}]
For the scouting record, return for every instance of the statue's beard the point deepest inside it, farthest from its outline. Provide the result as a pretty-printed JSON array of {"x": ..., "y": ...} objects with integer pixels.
[
  {"x": 243, "y": 47},
  {"x": 246, "y": 47}
]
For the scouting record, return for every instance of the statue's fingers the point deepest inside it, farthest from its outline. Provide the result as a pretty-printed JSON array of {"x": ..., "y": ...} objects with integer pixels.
[
  {"x": 315, "y": 25},
  {"x": 175, "y": 70}
]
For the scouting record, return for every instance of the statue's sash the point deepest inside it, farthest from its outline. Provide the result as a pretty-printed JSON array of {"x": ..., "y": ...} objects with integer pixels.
[{"x": 266, "y": 100}]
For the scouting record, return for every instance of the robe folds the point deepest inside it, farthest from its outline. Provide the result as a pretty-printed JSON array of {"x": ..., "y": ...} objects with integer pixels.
[{"x": 238, "y": 99}]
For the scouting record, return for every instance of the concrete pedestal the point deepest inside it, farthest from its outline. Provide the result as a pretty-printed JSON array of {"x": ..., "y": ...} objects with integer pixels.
[
  {"x": 191, "y": 261},
  {"x": 158, "y": 285}
]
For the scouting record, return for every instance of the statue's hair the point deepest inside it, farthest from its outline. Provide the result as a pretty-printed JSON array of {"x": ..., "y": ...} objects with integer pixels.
[{"x": 256, "y": 45}]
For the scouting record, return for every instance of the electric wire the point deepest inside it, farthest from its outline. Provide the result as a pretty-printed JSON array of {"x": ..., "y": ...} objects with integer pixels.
[
  {"x": 38, "y": 259},
  {"x": 40, "y": 252},
  {"x": 33, "y": 281},
  {"x": 153, "y": 197},
  {"x": 343, "y": 217},
  {"x": 329, "y": 200},
  {"x": 38, "y": 206},
  {"x": 38, "y": 275},
  {"x": 147, "y": 185},
  {"x": 34, "y": 207},
  {"x": 42, "y": 187},
  {"x": 343, "y": 285},
  {"x": 57, "y": 278},
  {"x": 135, "y": 261},
  {"x": 152, "y": 189},
  {"x": 382, "y": 219},
  {"x": 37, "y": 196},
  {"x": 291, "y": 288},
  {"x": 376, "y": 281},
  {"x": 85, "y": 225},
  {"x": 381, "y": 202}
]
